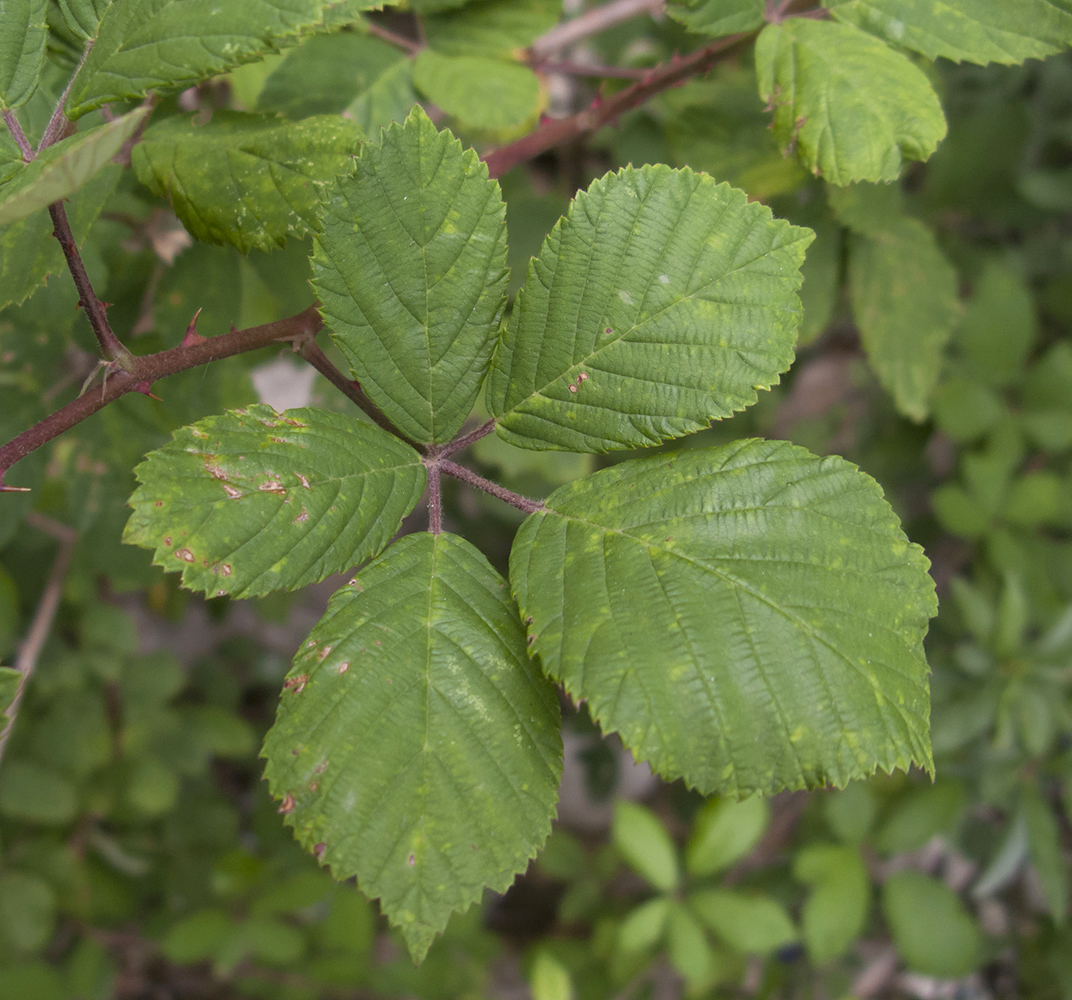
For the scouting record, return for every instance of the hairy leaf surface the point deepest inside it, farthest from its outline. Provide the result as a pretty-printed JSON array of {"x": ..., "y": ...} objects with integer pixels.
[
  {"x": 23, "y": 33},
  {"x": 852, "y": 108},
  {"x": 410, "y": 269},
  {"x": 64, "y": 167},
  {"x": 978, "y": 31},
  {"x": 661, "y": 302},
  {"x": 904, "y": 300},
  {"x": 244, "y": 179},
  {"x": 143, "y": 45},
  {"x": 748, "y": 617},
  {"x": 416, "y": 746},
  {"x": 252, "y": 501}
]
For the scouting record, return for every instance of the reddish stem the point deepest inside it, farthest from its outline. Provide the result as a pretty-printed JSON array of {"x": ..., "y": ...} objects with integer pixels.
[
  {"x": 603, "y": 111},
  {"x": 459, "y": 444},
  {"x": 497, "y": 491},
  {"x": 144, "y": 371},
  {"x": 435, "y": 499}
]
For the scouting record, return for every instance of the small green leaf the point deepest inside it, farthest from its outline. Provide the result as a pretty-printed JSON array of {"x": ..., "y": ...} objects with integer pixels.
[
  {"x": 837, "y": 906},
  {"x": 927, "y": 810},
  {"x": 1046, "y": 851},
  {"x": 251, "y": 501},
  {"x": 853, "y": 108},
  {"x": 718, "y": 17},
  {"x": 754, "y": 925},
  {"x": 687, "y": 946},
  {"x": 904, "y": 299},
  {"x": 410, "y": 268},
  {"x": 548, "y": 978},
  {"x": 645, "y": 844},
  {"x": 36, "y": 794},
  {"x": 481, "y": 92},
  {"x": 23, "y": 33},
  {"x": 661, "y": 302},
  {"x": 999, "y": 328},
  {"x": 699, "y": 598},
  {"x": 499, "y": 26},
  {"x": 931, "y": 928},
  {"x": 244, "y": 179},
  {"x": 64, "y": 168},
  {"x": 144, "y": 45},
  {"x": 724, "y": 832},
  {"x": 27, "y": 909},
  {"x": 388, "y": 98},
  {"x": 643, "y": 928},
  {"x": 417, "y": 747},
  {"x": 977, "y": 31}
]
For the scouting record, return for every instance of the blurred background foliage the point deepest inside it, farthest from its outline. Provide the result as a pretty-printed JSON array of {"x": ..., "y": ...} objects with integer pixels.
[{"x": 140, "y": 855}]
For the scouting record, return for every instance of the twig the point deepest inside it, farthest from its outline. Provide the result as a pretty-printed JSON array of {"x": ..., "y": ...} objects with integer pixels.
[
  {"x": 555, "y": 131},
  {"x": 144, "y": 371},
  {"x": 11, "y": 120},
  {"x": 107, "y": 341},
  {"x": 459, "y": 444},
  {"x": 592, "y": 22},
  {"x": 581, "y": 69},
  {"x": 47, "y": 606},
  {"x": 393, "y": 38},
  {"x": 350, "y": 388},
  {"x": 497, "y": 491}
]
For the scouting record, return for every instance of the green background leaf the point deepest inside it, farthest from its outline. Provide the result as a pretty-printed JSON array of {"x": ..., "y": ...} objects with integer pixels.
[
  {"x": 718, "y": 17},
  {"x": 63, "y": 168},
  {"x": 697, "y": 599},
  {"x": 83, "y": 17},
  {"x": 143, "y": 45},
  {"x": 978, "y": 31},
  {"x": 483, "y": 93},
  {"x": 417, "y": 746},
  {"x": 852, "y": 108},
  {"x": 835, "y": 910},
  {"x": 410, "y": 269},
  {"x": 252, "y": 501},
  {"x": 23, "y": 33},
  {"x": 661, "y": 302},
  {"x": 244, "y": 179},
  {"x": 645, "y": 845}
]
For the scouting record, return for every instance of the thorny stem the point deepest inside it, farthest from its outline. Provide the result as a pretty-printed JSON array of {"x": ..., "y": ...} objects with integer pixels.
[
  {"x": 601, "y": 112},
  {"x": 30, "y": 652},
  {"x": 107, "y": 341},
  {"x": 592, "y": 22},
  {"x": 435, "y": 499},
  {"x": 350, "y": 388},
  {"x": 144, "y": 371},
  {"x": 497, "y": 491},
  {"x": 459, "y": 444}
]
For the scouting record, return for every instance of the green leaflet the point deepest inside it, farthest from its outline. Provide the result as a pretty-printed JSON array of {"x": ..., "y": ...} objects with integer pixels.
[
  {"x": 852, "y": 108},
  {"x": 726, "y": 609},
  {"x": 23, "y": 33},
  {"x": 978, "y": 31},
  {"x": 410, "y": 269},
  {"x": 494, "y": 26},
  {"x": 143, "y": 45},
  {"x": 83, "y": 17},
  {"x": 661, "y": 302},
  {"x": 904, "y": 300},
  {"x": 65, "y": 167},
  {"x": 416, "y": 746},
  {"x": 483, "y": 93},
  {"x": 718, "y": 17},
  {"x": 252, "y": 501},
  {"x": 28, "y": 251},
  {"x": 244, "y": 179}
]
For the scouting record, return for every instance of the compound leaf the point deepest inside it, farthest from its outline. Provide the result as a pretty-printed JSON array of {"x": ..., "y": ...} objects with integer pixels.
[
  {"x": 245, "y": 179},
  {"x": 853, "y": 108},
  {"x": 64, "y": 167},
  {"x": 23, "y": 33},
  {"x": 904, "y": 299},
  {"x": 748, "y": 617},
  {"x": 416, "y": 746},
  {"x": 143, "y": 45},
  {"x": 662, "y": 301},
  {"x": 252, "y": 501},
  {"x": 410, "y": 269},
  {"x": 977, "y": 31}
]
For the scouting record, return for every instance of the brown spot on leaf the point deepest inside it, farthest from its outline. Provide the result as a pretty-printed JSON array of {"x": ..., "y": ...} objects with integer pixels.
[
  {"x": 412, "y": 860},
  {"x": 185, "y": 555},
  {"x": 287, "y": 805},
  {"x": 303, "y": 480},
  {"x": 572, "y": 387},
  {"x": 319, "y": 849},
  {"x": 167, "y": 541},
  {"x": 225, "y": 569},
  {"x": 232, "y": 491},
  {"x": 296, "y": 684},
  {"x": 344, "y": 666}
]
